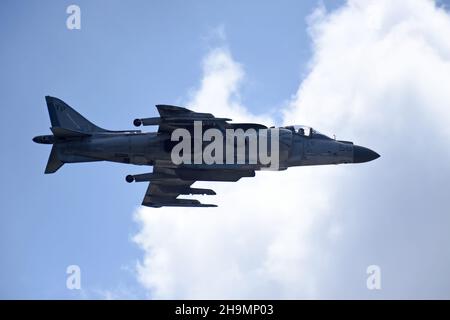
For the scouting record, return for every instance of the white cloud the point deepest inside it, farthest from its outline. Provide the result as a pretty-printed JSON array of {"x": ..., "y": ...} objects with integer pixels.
[
  {"x": 219, "y": 88},
  {"x": 246, "y": 246},
  {"x": 379, "y": 76}
]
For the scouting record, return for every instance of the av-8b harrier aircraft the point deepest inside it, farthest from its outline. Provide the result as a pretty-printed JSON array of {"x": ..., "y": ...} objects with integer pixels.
[{"x": 75, "y": 139}]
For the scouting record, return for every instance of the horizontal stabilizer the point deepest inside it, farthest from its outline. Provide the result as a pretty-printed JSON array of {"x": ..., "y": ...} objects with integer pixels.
[
  {"x": 67, "y": 133},
  {"x": 54, "y": 163}
]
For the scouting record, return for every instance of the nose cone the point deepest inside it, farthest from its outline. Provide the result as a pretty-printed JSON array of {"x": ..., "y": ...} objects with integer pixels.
[{"x": 362, "y": 154}]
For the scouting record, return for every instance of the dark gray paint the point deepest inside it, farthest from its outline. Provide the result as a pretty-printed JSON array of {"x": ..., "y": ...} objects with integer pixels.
[{"x": 75, "y": 139}]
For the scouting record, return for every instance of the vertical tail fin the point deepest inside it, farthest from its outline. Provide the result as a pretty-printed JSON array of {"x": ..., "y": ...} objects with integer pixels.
[
  {"x": 63, "y": 116},
  {"x": 66, "y": 122}
]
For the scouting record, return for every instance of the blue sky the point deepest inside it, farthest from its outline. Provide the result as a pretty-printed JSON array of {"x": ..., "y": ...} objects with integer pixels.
[{"x": 127, "y": 57}]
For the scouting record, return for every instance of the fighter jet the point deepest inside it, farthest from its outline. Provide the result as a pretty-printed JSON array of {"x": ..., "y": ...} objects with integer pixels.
[{"x": 74, "y": 139}]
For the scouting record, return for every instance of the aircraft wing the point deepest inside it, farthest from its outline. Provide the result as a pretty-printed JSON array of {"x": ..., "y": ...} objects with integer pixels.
[
  {"x": 173, "y": 117},
  {"x": 169, "y": 182}
]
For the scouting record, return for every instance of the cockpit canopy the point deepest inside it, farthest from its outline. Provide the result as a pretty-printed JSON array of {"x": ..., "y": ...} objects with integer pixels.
[{"x": 306, "y": 131}]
